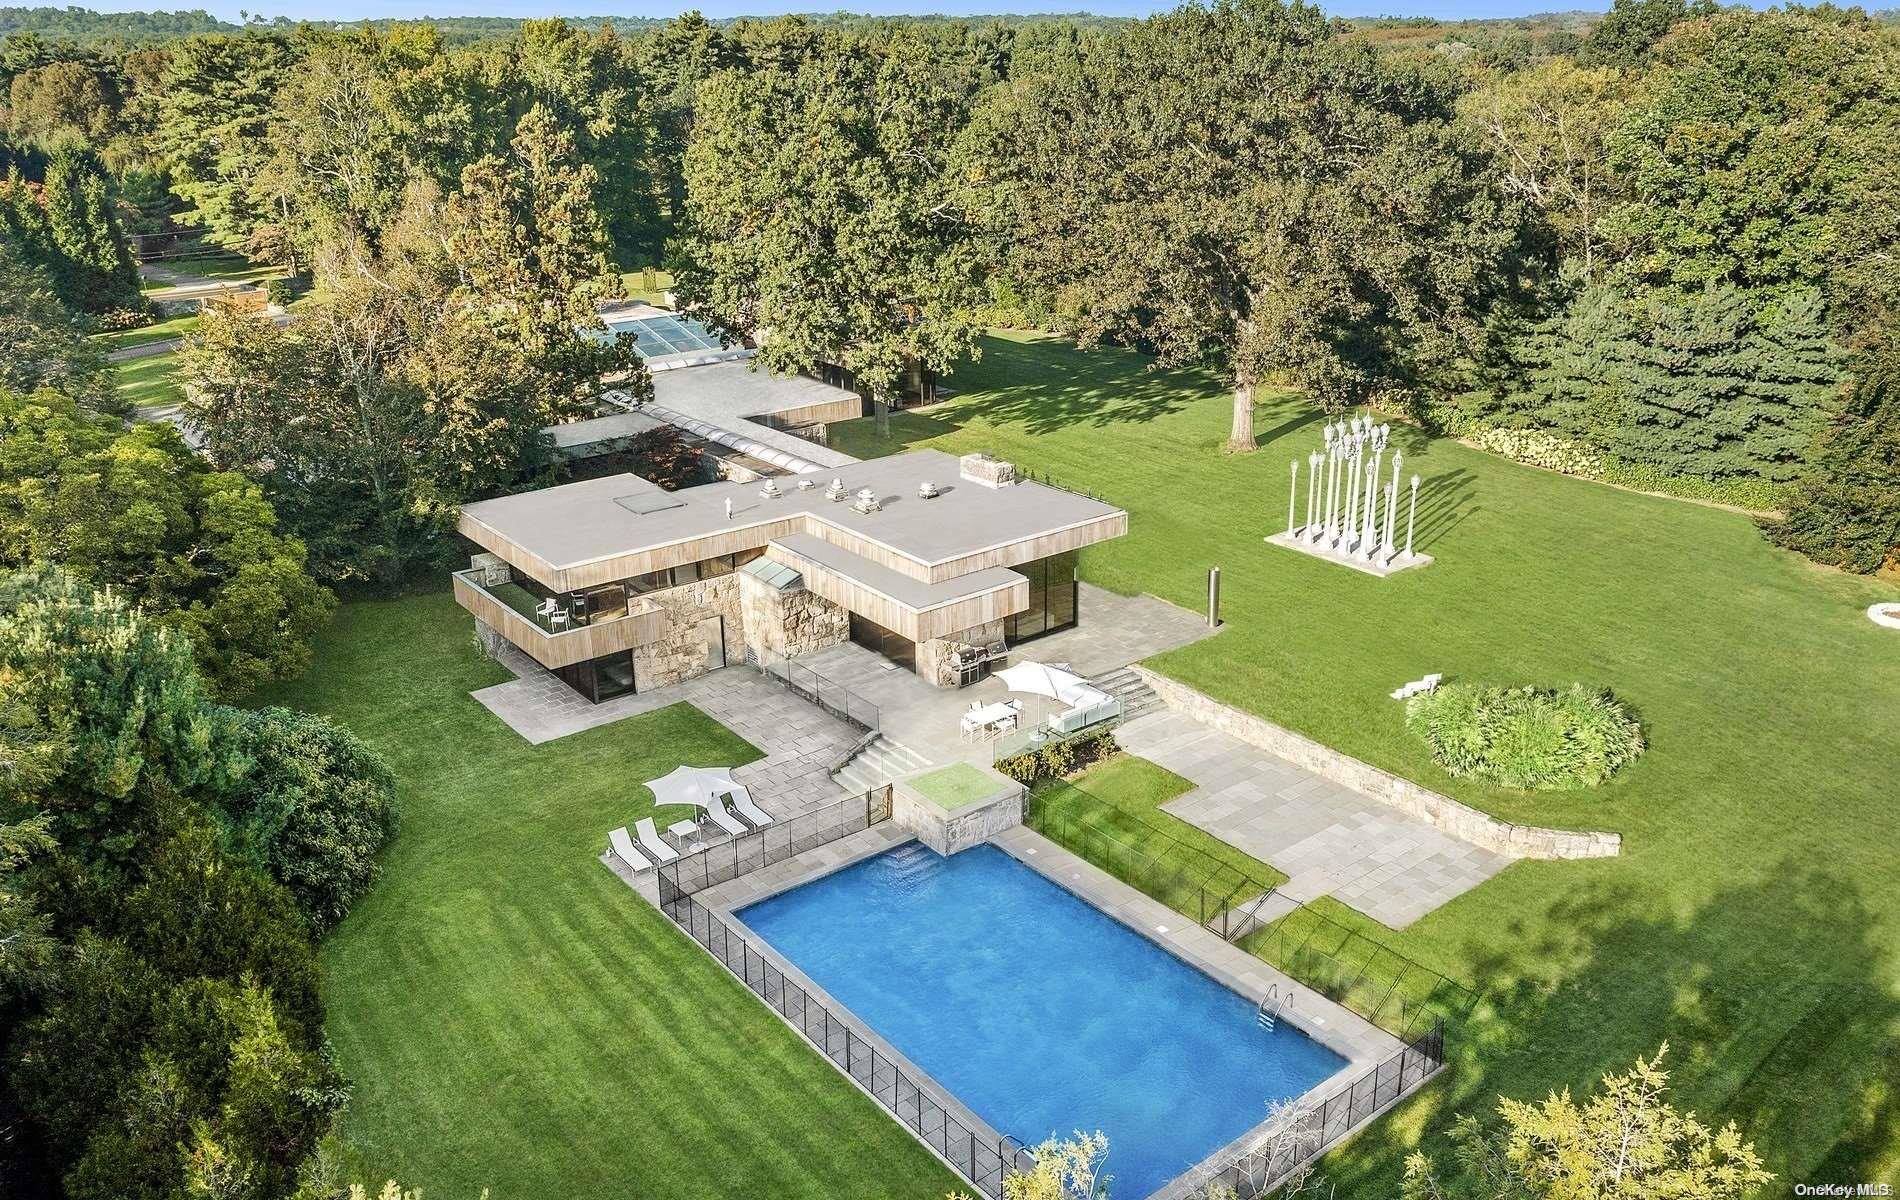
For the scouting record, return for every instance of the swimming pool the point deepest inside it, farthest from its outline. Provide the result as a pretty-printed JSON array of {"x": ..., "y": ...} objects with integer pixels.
[{"x": 1040, "y": 1013}]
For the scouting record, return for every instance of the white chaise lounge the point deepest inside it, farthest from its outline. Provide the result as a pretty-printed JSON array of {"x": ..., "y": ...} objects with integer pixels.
[
  {"x": 651, "y": 843},
  {"x": 622, "y": 846},
  {"x": 742, "y": 804},
  {"x": 717, "y": 814}
]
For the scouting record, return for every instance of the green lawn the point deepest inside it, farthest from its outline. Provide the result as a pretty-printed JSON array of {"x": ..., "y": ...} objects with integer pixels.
[
  {"x": 1111, "y": 815},
  {"x": 231, "y": 268},
  {"x": 1753, "y": 919},
  {"x": 143, "y": 382},
  {"x": 512, "y": 1016},
  {"x": 157, "y": 331}
]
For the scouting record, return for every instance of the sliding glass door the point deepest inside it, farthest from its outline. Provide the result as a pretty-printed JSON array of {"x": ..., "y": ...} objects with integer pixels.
[{"x": 1052, "y": 598}]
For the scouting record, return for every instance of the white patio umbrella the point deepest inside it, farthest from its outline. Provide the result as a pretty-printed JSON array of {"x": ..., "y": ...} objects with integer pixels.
[
  {"x": 1041, "y": 679},
  {"x": 691, "y": 785}
]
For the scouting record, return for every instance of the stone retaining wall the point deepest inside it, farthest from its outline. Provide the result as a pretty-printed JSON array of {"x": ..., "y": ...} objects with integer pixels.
[{"x": 1459, "y": 820}]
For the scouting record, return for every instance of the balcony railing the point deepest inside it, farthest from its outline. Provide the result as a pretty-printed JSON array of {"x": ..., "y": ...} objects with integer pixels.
[{"x": 549, "y": 642}]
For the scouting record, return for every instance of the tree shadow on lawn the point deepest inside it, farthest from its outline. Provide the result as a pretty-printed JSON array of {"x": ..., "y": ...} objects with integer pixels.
[
  {"x": 1046, "y": 394},
  {"x": 1778, "y": 1007}
]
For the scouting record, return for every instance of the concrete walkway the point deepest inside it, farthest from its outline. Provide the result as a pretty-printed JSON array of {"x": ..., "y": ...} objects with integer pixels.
[{"x": 1329, "y": 839}]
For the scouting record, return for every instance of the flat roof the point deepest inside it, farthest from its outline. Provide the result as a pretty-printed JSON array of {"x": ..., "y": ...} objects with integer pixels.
[
  {"x": 907, "y": 590},
  {"x": 580, "y": 523}
]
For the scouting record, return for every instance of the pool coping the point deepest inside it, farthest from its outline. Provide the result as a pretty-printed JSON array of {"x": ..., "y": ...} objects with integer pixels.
[{"x": 1362, "y": 1044}]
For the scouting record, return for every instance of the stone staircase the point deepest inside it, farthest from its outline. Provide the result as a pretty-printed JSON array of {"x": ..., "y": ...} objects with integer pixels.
[
  {"x": 1138, "y": 699},
  {"x": 881, "y": 760}
]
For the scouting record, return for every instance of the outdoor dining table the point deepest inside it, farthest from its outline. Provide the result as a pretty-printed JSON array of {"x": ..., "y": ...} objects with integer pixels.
[{"x": 992, "y": 716}]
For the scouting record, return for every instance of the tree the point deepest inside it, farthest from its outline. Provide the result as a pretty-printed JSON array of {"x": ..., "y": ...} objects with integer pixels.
[
  {"x": 1743, "y": 155},
  {"x": 1236, "y": 183},
  {"x": 42, "y": 344},
  {"x": 314, "y": 807},
  {"x": 1623, "y": 38},
  {"x": 85, "y": 226},
  {"x": 62, "y": 99},
  {"x": 212, "y": 124},
  {"x": 1625, "y": 1142},
  {"x": 138, "y": 511},
  {"x": 111, "y": 705},
  {"x": 1550, "y": 125},
  {"x": 1846, "y": 511},
  {"x": 822, "y": 215},
  {"x": 1062, "y": 1170},
  {"x": 425, "y": 368}
]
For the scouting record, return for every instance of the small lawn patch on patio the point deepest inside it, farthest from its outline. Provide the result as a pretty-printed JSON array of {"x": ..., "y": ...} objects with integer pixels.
[{"x": 958, "y": 785}]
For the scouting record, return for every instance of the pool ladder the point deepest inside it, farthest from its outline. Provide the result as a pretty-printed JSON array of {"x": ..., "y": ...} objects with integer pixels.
[{"x": 1272, "y": 1007}]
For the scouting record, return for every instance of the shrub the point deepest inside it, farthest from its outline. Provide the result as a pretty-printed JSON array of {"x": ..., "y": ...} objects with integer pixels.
[
  {"x": 1059, "y": 758},
  {"x": 314, "y": 806},
  {"x": 1526, "y": 737},
  {"x": 280, "y": 291},
  {"x": 1539, "y": 449}
]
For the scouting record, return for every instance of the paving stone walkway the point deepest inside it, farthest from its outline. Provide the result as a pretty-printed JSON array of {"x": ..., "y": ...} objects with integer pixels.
[
  {"x": 800, "y": 741},
  {"x": 1329, "y": 839}
]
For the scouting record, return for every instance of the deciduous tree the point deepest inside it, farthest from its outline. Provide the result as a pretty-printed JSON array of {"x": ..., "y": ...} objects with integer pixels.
[
  {"x": 823, "y": 210},
  {"x": 1235, "y": 183},
  {"x": 1626, "y": 1142}
]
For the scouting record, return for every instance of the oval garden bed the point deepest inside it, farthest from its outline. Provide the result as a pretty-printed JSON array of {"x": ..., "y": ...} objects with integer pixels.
[{"x": 1525, "y": 737}]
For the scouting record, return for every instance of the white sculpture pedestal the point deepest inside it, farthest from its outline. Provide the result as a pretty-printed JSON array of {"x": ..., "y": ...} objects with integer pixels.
[{"x": 1378, "y": 567}]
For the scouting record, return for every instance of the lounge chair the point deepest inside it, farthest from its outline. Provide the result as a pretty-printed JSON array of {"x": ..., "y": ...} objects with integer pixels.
[
  {"x": 651, "y": 843},
  {"x": 622, "y": 846},
  {"x": 742, "y": 804},
  {"x": 717, "y": 814}
]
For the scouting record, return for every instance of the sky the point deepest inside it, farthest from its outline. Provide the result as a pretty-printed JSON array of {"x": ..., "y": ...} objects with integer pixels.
[{"x": 358, "y": 9}]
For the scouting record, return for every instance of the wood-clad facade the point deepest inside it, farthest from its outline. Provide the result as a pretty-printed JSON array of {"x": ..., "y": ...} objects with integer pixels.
[{"x": 644, "y": 623}]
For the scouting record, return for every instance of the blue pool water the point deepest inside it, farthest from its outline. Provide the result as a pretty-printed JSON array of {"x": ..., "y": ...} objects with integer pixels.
[{"x": 1039, "y": 1012}]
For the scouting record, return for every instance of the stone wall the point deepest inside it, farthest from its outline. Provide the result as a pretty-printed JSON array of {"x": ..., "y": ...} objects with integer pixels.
[
  {"x": 788, "y": 623},
  {"x": 680, "y": 653},
  {"x": 1459, "y": 820},
  {"x": 933, "y": 656},
  {"x": 950, "y": 832}
]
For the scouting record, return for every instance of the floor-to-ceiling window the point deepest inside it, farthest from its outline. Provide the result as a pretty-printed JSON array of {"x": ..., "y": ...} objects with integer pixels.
[
  {"x": 1052, "y": 602},
  {"x": 891, "y": 644},
  {"x": 602, "y": 678}
]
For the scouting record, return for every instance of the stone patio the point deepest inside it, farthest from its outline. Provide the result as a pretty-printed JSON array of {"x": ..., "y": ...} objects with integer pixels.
[
  {"x": 1112, "y": 632},
  {"x": 1329, "y": 839},
  {"x": 800, "y": 741}
]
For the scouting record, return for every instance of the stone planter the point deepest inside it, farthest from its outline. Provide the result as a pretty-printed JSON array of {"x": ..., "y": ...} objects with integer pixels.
[{"x": 947, "y": 827}]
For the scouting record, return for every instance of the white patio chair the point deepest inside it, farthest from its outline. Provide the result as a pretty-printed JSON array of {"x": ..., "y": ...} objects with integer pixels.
[
  {"x": 742, "y": 804},
  {"x": 651, "y": 843},
  {"x": 717, "y": 814},
  {"x": 622, "y": 846}
]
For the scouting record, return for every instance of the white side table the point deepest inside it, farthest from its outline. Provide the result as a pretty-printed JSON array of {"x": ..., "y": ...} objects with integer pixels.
[{"x": 679, "y": 831}]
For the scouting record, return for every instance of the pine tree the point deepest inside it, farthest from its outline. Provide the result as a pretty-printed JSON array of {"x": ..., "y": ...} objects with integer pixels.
[
  {"x": 1574, "y": 360},
  {"x": 1682, "y": 379},
  {"x": 1846, "y": 513},
  {"x": 87, "y": 232},
  {"x": 1794, "y": 384}
]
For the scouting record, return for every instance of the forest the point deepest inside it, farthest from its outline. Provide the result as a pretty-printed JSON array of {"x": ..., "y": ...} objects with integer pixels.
[{"x": 1655, "y": 248}]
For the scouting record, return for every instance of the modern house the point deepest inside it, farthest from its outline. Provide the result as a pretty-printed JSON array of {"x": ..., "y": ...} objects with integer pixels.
[{"x": 938, "y": 563}]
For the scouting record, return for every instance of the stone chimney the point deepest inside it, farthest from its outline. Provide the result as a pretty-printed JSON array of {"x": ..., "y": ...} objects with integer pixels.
[{"x": 987, "y": 471}]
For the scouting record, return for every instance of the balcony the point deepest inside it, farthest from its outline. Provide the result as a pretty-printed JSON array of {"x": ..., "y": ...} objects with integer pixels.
[{"x": 510, "y": 610}]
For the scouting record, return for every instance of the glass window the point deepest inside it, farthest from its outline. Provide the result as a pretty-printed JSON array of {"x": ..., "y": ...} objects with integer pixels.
[{"x": 713, "y": 568}]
